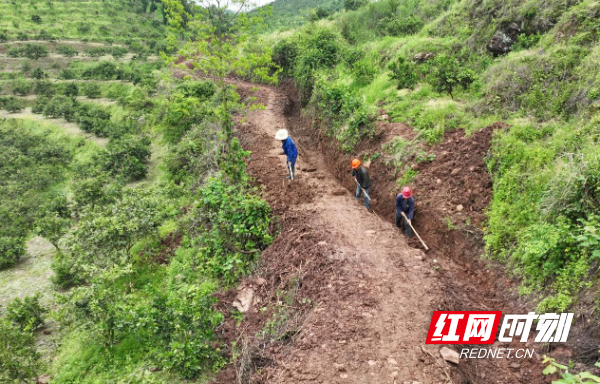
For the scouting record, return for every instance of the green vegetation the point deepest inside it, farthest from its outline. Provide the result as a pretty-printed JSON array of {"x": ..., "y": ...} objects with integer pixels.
[
  {"x": 442, "y": 65},
  {"x": 288, "y": 14},
  {"x": 145, "y": 225}
]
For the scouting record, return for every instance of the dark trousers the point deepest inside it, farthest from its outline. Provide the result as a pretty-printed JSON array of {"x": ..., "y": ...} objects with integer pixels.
[{"x": 401, "y": 220}]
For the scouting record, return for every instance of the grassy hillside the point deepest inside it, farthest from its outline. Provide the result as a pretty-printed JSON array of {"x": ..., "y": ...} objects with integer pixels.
[
  {"x": 95, "y": 20},
  {"x": 121, "y": 215},
  {"x": 288, "y": 14},
  {"x": 445, "y": 64}
]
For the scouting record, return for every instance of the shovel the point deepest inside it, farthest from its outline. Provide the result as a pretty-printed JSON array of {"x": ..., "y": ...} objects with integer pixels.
[{"x": 413, "y": 228}]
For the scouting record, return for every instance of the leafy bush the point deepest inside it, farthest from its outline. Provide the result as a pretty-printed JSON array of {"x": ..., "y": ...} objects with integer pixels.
[
  {"x": 318, "y": 48},
  {"x": 399, "y": 26},
  {"x": 447, "y": 73},
  {"x": 229, "y": 221},
  {"x": 21, "y": 87},
  {"x": 11, "y": 251},
  {"x": 119, "y": 52},
  {"x": 365, "y": 70},
  {"x": 284, "y": 55},
  {"x": 196, "y": 155},
  {"x": 404, "y": 73},
  {"x": 28, "y": 314},
  {"x": 202, "y": 90},
  {"x": 71, "y": 90},
  {"x": 95, "y": 52},
  {"x": 181, "y": 113},
  {"x": 92, "y": 90},
  {"x": 13, "y": 104},
  {"x": 352, "y": 5},
  {"x": 19, "y": 360},
  {"x": 44, "y": 88},
  {"x": 67, "y": 50},
  {"x": 127, "y": 157},
  {"x": 342, "y": 106},
  {"x": 38, "y": 73}
]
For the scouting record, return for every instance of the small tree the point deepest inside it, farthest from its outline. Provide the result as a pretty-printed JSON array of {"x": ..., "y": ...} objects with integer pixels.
[
  {"x": 351, "y": 5},
  {"x": 38, "y": 73},
  {"x": 447, "y": 73},
  {"x": 13, "y": 105},
  {"x": 92, "y": 90},
  {"x": 219, "y": 34},
  {"x": 71, "y": 89},
  {"x": 19, "y": 359},
  {"x": 403, "y": 72},
  {"x": 67, "y": 50},
  {"x": 36, "y": 19},
  {"x": 35, "y": 51}
]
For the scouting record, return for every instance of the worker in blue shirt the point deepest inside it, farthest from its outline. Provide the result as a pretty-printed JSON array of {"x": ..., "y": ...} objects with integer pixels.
[
  {"x": 405, "y": 203},
  {"x": 289, "y": 148}
]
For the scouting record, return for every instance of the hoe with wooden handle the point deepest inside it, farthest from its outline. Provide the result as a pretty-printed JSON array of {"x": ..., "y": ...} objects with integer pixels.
[{"x": 413, "y": 228}]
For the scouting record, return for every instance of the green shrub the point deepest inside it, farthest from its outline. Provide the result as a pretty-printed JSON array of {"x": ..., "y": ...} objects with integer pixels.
[
  {"x": 318, "y": 48},
  {"x": 181, "y": 113},
  {"x": 28, "y": 314},
  {"x": 119, "y": 52},
  {"x": 196, "y": 155},
  {"x": 71, "y": 90},
  {"x": 203, "y": 90},
  {"x": 352, "y": 5},
  {"x": 11, "y": 251},
  {"x": 127, "y": 157},
  {"x": 447, "y": 73},
  {"x": 44, "y": 88},
  {"x": 92, "y": 90},
  {"x": 19, "y": 359},
  {"x": 67, "y": 50},
  {"x": 13, "y": 104},
  {"x": 96, "y": 52},
  {"x": 365, "y": 70},
  {"x": 38, "y": 73},
  {"x": 34, "y": 51},
  {"x": 399, "y": 26},
  {"x": 21, "y": 87},
  {"x": 284, "y": 55},
  {"x": 404, "y": 73},
  {"x": 67, "y": 272}
]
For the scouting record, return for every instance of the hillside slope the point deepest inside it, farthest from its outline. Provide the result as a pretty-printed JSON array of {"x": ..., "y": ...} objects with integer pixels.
[
  {"x": 525, "y": 70},
  {"x": 288, "y": 14},
  {"x": 106, "y": 21}
]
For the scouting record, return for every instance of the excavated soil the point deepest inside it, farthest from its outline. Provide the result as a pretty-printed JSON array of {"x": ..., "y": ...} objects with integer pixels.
[{"x": 341, "y": 296}]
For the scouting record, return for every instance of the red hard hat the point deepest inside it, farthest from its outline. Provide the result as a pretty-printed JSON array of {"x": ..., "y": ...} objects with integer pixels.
[
  {"x": 355, "y": 163},
  {"x": 406, "y": 192}
]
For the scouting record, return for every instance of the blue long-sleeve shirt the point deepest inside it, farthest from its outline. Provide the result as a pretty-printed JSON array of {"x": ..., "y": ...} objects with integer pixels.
[
  {"x": 406, "y": 205},
  {"x": 289, "y": 148}
]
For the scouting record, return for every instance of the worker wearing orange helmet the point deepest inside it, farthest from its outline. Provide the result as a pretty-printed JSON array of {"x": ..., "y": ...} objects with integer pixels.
[
  {"x": 405, "y": 210},
  {"x": 363, "y": 181}
]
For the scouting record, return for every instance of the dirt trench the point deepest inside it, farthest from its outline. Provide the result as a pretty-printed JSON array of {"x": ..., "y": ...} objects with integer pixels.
[{"x": 362, "y": 297}]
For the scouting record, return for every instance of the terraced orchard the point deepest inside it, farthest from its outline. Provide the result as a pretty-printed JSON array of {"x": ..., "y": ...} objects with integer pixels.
[{"x": 149, "y": 233}]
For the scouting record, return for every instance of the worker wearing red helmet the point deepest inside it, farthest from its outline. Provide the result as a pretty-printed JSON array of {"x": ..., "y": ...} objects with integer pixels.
[
  {"x": 363, "y": 181},
  {"x": 405, "y": 203}
]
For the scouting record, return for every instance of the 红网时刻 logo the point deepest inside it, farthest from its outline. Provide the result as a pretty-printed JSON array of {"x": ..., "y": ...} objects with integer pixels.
[{"x": 481, "y": 327}]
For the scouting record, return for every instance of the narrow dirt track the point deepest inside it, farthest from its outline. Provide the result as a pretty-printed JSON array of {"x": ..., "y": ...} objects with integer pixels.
[
  {"x": 374, "y": 330},
  {"x": 373, "y": 294}
]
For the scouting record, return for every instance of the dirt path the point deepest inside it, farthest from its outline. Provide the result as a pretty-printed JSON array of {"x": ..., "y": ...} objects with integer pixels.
[{"x": 371, "y": 320}]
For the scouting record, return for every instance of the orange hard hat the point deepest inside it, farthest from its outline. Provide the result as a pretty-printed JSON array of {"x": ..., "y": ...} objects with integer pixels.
[{"x": 355, "y": 163}]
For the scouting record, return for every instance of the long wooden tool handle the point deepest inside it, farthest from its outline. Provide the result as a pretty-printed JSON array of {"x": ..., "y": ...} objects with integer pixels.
[
  {"x": 366, "y": 194},
  {"x": 415, "y": 231}
]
